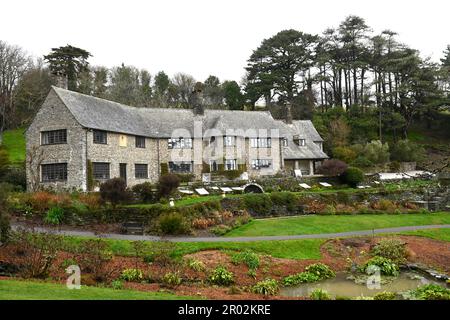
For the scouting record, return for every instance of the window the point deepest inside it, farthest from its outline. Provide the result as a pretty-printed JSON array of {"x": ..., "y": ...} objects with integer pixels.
[
  {"x": 260, "y": 142},
  {"x": 180, "y": 167},
  {"x": 140, "y": 142},
  {"x": 229, "y": 141},
  {"x": 261, "y": 163},
  {"x": 54, "y": 172},
  {"x": 100, "y": 170},
  {"x": 54, "y": 137},
  {"x": 100, "y": 137},
  {"x": 213, "y": 165},
  {"x": 141, "y": 171},
  {"x": 302, "y": 142},
  {"x": 230, "y": 164},
  {"x": 319, "y": 144},
  {"x": 180, "y": 143},
  {"x": 284, "y": 142}
]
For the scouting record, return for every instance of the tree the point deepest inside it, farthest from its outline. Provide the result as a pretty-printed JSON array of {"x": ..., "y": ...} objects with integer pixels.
[
  {"x": 100, "y": 82},
  {"x": 233, "y": 95},
  {"x": 124, "y": 86},
  {"x": 68, "y": 61},
  {"x": 181, "y": 89},
  {"x": 213, "y": 92},
  {"x": 282, "y": 62},
  {"x": 14, "y": 62},
  {"x": 160, "y": 89}
]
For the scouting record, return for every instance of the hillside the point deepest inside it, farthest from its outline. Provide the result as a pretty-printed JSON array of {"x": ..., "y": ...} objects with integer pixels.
[{"x": 14, "y": 143}]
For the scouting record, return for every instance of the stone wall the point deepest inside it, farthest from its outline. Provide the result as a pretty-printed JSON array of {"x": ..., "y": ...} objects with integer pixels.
[{"x": 54, "y": 115}]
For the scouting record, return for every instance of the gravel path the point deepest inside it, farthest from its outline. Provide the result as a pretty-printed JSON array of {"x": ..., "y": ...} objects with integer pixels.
[{"x": 237, "y": 239}]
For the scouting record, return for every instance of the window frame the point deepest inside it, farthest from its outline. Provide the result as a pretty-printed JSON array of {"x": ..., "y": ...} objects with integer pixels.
[
  {"x": 136, "y": 171},
  {"x": 140, "y": 139},
  {"x": 55, "y": 132},
  {"x": 180, "y": 143},
  {"x": 257, "y": 143},
  {"x": 96, "y": 141},
  {"x": 179, "y": 164},
  {"x": 230, "y": 165},
  {"x": 229, "y": 141},
  {"x": 256, "y": 164},
  {"x": 58, "y": 179},
  {"x": 104, "y": 177}
]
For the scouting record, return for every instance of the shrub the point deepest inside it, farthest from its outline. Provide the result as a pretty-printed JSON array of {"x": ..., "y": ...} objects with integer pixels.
[
  {"x": 332, "y": 168},
  {"x": 344, "y": 154},
  {"x": 248, "y": 257},
  {"x": 321, "y": 270},
  {"x": 407, "y": 151},
  {"x": 319, "y": 294},
  {"x": 162, "y": 253},
  {"x": 221, "y": 230},
  {"x": 302, "y": 277},
  {"x": 287, "y": 199},
  {"x": 268, "y": 287},
  {"x": 167, "y": 184},
  {"x": 144, "y": 191},
  {"x": 173, "y": 223},
  {"x": 353, "y": 176},
  {"x": 392, "y": 249},
  {"x": 431, "y": 292},
  {"x": 221, "y": 276},
  {"x": 4, "y": 226},
  {"x": 196, "y": 265},
  {"x": 92, "y": 200},
  {"x": 94, "y": 255},
  {"x": 385, "y": 296},
  {"x": 377, "y": 152},
  {"x": 40, "y": 201},
  {"x": 362, "y": 162},
  {"x": 4, "y": 161},
  {"x": 54, "y": 216},
  {"x": 16, "y": 176},
  {"x": 387, "y": 266},
  {"x": 114, "y": 191},
  {"x": 39, "y": 251},
  {"x": 164, "y": 168},
  {"x": 384, "y": 205},
  {"x": 132, "y": 275},
  {"x": 117, "y": 284},
  {"x": 171, "y": 279},
  {"x": 259, "y": 204},
  {"x": 202, "y": 223}
]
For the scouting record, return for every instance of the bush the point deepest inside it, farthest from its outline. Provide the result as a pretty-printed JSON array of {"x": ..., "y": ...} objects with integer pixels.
[
  {"x": 287, "y": 199},
  {"x": 268, "y": 287},
  {"x": 407, "y": 151},
  {"x": 362, "y": 162},
  {"x": 115, "y": 191},
  {"x": 4, "y": 161},
  {"x": 39, "y": 251},
  {"x": 344, "y": 154},
  {"x": 259, "y": 204},
  {"x": 144, "y": 191},
  {"x": 92, "y": 200},
  {"x": 162, "y": 253},
  {"x": 431, "y": 292},
  {"x": 332, "y": 168},
  {"x": 132, "y": 275},
  {"x": 384, "y": 205},
  {"x": 353, "y": 176},
  {"x": 392, "y": 249},
  {"x": 221, "y": 276},
  {"x": 321, "y": 270},
  {"x": 167, "y": 184},
  {"x": 385, "y": 296},
  {"x": 173, "y": 223},
  {"x": 94, "y": 255},
  {"x": 16, "y": 176},
  {"x": 54, "y": 216},
  {"x": 248, "y": 257},
  {"x": 117, "y": 284},
  {"x": 319, "y": 294},
  {"x": 4, "y": 226},
  {"x": 196, "y": 265},
  {"x": 377, "y": 152},
  {"x": 171, "y": 279},
  {"x": 387, "y": 266}
]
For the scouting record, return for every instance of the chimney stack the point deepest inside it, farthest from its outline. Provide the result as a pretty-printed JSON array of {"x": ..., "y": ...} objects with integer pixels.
[
  {"x": 288, "y": 111},
  {"x": 197, "y": 99}
]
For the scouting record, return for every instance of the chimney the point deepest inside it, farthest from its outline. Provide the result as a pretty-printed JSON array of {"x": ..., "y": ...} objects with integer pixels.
[
  {"x": 197, "y": 99},
  {"x": 288, "y": 116}
]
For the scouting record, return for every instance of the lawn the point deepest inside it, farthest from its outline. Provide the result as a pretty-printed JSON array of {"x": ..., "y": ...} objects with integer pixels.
[
  {"x": 437, "y": 234},
  {"x": 33, "y": 290},
  {"x": 14, "y": 143},
  {"x": 330, "y": 224}
]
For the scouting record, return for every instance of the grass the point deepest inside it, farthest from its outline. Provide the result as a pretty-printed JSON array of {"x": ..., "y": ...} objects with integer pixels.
[
  {"x": 436, "y": 234},
  {"x": 14, "y": 143},
  {"x": 331, "y": 224},
  {"x": 33, "y": 290}
]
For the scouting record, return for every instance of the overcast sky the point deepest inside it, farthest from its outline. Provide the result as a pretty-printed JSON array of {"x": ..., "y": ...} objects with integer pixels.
[{"x": 203, "y": 37}]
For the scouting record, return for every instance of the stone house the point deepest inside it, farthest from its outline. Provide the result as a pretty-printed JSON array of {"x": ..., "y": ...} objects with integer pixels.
[{"x": 74, "y": 137}]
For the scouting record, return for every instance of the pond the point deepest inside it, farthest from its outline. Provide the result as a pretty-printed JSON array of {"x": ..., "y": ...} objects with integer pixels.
[{"x": 341, "y": 286}]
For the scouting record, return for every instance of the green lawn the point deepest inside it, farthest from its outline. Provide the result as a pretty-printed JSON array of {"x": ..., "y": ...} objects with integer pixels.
[
  {"x": 329, "y": 224},
  {"x": 437, "y": 234},
  {"x": 14, "y": 143},
  {"x": 31, "y": 290}
]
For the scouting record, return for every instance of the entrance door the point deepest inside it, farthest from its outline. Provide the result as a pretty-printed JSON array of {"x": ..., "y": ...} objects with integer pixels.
[{"x": 123, "y": 171}]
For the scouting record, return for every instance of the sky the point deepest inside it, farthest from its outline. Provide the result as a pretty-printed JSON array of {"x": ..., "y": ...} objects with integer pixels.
[{"x": 202, "y": 37}]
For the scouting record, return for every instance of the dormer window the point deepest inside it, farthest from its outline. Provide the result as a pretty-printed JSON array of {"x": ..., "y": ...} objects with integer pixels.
[
  {"x": 284, "y": 142},
  {"x": 299, "y": 141}
]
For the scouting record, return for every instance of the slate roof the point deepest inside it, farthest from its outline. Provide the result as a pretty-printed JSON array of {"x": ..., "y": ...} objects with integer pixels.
[{"x": 101, "y": 114}]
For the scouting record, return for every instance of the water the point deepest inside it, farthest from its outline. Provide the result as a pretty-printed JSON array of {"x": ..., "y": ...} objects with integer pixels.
[{"x": 341, "y": 286}]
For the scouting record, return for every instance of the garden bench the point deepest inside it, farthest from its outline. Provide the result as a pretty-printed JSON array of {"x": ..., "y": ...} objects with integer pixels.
[
  {"x": 202, "y": 191},
  {"x": 305, "y": 186},
  {"x": 325, "y": 184},
  {"x": 133, "y": 227}
]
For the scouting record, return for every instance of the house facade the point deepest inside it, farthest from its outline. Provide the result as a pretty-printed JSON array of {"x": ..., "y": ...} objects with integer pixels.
[{"x": 75, "y": 138}]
